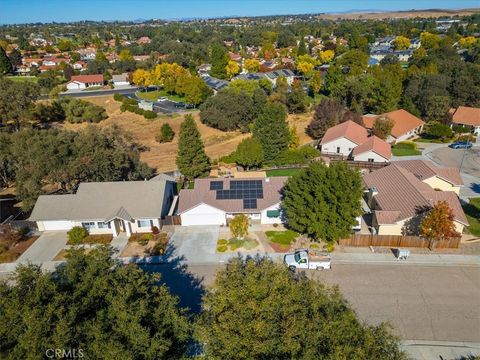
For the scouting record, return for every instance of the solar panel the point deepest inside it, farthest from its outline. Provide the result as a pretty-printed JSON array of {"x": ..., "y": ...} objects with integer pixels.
[
  {"x": 216, "y": 185},
  {"x": 249, "y": 203}
]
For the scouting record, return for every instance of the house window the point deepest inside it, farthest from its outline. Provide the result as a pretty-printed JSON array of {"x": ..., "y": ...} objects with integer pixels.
[
  {"x": 88, "y": 225},
  {"x": 371, "y": 160},
  {"x": 338, "y": 149},
  {"x": 273, "y": 213},
  {"x": 144, "y": 223},
  {"x": 103, "y": 225}
]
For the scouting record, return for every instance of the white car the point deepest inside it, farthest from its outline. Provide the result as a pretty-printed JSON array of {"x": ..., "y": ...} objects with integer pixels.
[
  {"x": 163, "y": 98},
  {"x": 302, "y": 259}
]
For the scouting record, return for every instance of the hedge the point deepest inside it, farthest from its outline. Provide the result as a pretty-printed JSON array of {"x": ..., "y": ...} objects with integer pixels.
[{"x": 147, "y": 114}]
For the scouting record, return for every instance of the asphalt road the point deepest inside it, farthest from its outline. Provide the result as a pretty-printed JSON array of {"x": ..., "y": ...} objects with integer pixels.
[
  {"x": 129, "y": 91},
  {"x": 453, "y": 157},
  {"x": 421, "y": 303}
]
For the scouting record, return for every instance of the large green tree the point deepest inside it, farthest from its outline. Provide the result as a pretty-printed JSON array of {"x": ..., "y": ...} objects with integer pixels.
[
  {"x": 323, "y": 201},
  {"x": 17, "y": 100},
  {"x": 249, "y": 153},
  {"x": 95, "y": 304},
  {"x": 259, "y": 310},
  {"x": 5, "y": 63},
  {"x": 270, "y": 128},
  {"x": 328, "y": 113},
  {"x": 219, "y": 60},
  {"x": 191, "y": 158}
]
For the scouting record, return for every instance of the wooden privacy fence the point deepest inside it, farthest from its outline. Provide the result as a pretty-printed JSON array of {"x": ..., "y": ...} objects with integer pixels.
[
  {"x": 172, "y": 220},
  {"x": 397, "y": 241}
]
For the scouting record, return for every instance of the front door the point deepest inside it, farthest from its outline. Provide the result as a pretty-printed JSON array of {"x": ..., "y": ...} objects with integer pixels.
[{"x": 122, "y": 227}]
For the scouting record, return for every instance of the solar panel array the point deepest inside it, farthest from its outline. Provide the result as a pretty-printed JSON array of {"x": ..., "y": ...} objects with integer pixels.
[{"x": 247, "y": 190}]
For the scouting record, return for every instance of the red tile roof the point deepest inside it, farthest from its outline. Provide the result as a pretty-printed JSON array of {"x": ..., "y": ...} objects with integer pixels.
[
  {"x": 349, "y": 130},
  {"x": 403, "y": 121},
  {"x": 466, "y": 116},
  {"x": 88, "y": 78},
  {"x": 426, "y": 169},
  {"x": 399, "y": 190},
  {"x": 201, "y": 194},
  {"x": 376, "y": 145}
]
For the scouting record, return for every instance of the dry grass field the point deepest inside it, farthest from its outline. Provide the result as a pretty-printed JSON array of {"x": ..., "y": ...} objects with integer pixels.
[{"x": 162, "y": 156}]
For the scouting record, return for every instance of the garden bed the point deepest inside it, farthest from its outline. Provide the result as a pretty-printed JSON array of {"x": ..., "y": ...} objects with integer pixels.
[
  {"x": 231, "y": 245},
  {"x": 94, "y": 239},
  {"x": 146, "y": 244},
  {"x": 281, "y": 241},
  {"x": 13, "y": 252}
]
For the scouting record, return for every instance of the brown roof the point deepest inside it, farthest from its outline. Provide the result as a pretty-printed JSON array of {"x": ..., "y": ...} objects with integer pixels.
[
  {"x": 201, "y": 194},
  {"x": 376, "y": 145},
  {"x": 88, "y": 78},
  {"x": 403, "y": 121},
  {"x": 423, "y": 170},
  {"x": 348, "y": 129},
  {"x": 467, "y": 116},
  {"x": 385, "y": 217},
  {"x": 398, "y": 190}
]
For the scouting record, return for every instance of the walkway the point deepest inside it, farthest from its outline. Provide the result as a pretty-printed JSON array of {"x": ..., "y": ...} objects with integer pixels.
[{"x": 119, "y": 243}]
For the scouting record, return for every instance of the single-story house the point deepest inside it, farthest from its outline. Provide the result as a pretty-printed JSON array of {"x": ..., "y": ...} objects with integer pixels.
[
  {"x": 78, "y": 82},
  {"x": 214, "y": 83},
  {"x": 215, "y": 201},
  {"x": 467, "y": 116},
  {"x": 80, "y": 65},
  {"x": 405, "y": 126},
  {"x": 400, "y": 194},
  {"x": 108, "y": 207},
  {"x": 351, "y": 140},
  {"x": 120, "y": 80}
]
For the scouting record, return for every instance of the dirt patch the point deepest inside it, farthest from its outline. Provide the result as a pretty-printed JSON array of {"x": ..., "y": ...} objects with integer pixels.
[
  {"x": 301, "y": 121},
  {"x": 134, "y": 248},
  {"x": 14, "y": 252}
]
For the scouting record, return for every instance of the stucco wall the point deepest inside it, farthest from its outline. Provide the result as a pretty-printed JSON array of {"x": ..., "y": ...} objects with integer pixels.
[
  {"x": 436, "y": 183},
  {"x": 346, "y": 146},
  {"x": 370, "y": 155}
]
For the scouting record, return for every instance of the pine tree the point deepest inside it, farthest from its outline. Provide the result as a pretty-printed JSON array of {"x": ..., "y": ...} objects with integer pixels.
[
  {"x": 192, "y": 161},
  {"x": 219, "y": 59},
  {"x": 270, "y": 128},
  {"x": 5, "y": 64},
  {"x": 302, "y": 47}
]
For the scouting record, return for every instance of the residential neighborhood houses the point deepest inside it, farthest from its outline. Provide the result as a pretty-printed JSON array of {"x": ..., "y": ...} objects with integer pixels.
[{"x": 78, "y": 82}]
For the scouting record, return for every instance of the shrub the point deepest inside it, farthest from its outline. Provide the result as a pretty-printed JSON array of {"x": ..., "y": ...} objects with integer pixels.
[
  {"x": 222, "y": 242},
  {"x": 147, "y": 237},
  {"x": 155, "y": 230},
  {"x": 77, "y": 111},
  {"x": 147, "y": 114},
  {"x": 3, "y": 248},
  {"x": 460, "y": 129},
  {"x": 166, "y": 134},
  {"x": 222, "y": 248},
  {"x": 439, "y": 130},
  {"x": 410, "y": 145},
  {"x": 469, "y": 138},
  {"x": 118, "y": 97},
  {"x": 76, "y": 235},
  {"x": 158, "y": 249},
  {"x": 98, "y": 239},
  {"x": 239, "y": 226},
  {"x": 299, "y": 156}
]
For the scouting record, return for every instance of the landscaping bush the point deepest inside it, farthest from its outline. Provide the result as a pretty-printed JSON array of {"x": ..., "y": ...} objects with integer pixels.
[
  {"x": 222, "y": 248},
  {"x": 166, "y": 134},
  {"x": 469, "y": 138},
  {"x": 438, "y": 130},
  {"x": 76, "y": 235},
  {"x": 118, "y": 97},
  {"x": 302, "y": 155},
  {"x": 155, "y": 230},
  {"x": 284, "y": 238},
  {"x": 158, "y": 249},
  {"x": 147, "y": 114},
  {"x": 77, "y": 111},
  {"x": 97, "y": 239},
  {"x": 406, "y": 145},
  {"x": 460, "y": 129},
  {"x": 239, "y": 226},
  {"x": 222, "y": 242}
]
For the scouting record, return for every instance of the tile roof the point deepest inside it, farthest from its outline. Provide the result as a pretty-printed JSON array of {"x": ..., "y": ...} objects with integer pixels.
[
  {"x": 348, "y": 129},
  {"x": 467, "y": 116},
  {"x": 201, "y": 194},
  {"x": 376, "y": 145},
  {"x": 403, "y": 121},
  {"x": 399, "y": 190},
  {"x": 87, "y": 78},
  {"x": 386, "y": 217},
  {"x": 423, "y": 170}
]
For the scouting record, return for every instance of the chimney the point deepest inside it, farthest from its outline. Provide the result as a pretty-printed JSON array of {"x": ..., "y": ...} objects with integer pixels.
[{"x": 371, "y": 194}]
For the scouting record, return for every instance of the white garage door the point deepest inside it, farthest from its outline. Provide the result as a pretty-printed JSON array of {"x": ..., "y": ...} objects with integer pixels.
[
  {"x": 57, "y": 225},
  {"x": 203, "y": 219}
]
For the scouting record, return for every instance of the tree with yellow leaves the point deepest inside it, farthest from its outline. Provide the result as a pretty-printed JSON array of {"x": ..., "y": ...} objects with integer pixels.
[
  {"x": 401, "y": 43},
  {"x": 438, "y": 224},
  {"x": 141, "y": 77},
  {"x": 125, "y": 55},
  {"x": 305, "y": 68},
  {"x": 294, "y": 139},
  {"x": 251, "y": 65},
  {"x": 232, "y": 69},
  {"x": 467, "y": 42},
  {"x": 326, "y": 56}
]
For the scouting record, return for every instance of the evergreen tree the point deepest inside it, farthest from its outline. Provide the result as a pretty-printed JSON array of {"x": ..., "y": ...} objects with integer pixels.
[
  {"x": 15, "y": 57},
  {"x": 323, "y": 202},
  {"x": 270, "y": 128},
  {"x": 5, "y": 64},
  {"x": 191, "y": 158},
  {"x": 302, "y": 47},
  {"x": 219, "y": 60},
  {"x": 166, "y": 134},
  {"x": 249, "y": 153},
  {"x": 258, "y": 309}
]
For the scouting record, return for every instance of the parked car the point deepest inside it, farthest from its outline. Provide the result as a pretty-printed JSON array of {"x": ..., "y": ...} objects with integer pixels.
[
  {"x": 358, "y": 226},
  {"x": 163, "y": 98},
  {"x": 179, "y": 104},
  {"x": 189, "y": 106},
  {"x": 460, "y": 145},
  {"x": 303, "y": 259}
]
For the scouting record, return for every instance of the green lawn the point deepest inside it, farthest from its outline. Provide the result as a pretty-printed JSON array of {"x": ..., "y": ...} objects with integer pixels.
[
  {"x": 284, "y": 238},
  {"x": 283, "y": 172},
  {"x": 472, "y": 210},
  {"x": 33, "y": 79},
  {"x": 154, "y": 95},
  {"x": 405, "y": 152}
]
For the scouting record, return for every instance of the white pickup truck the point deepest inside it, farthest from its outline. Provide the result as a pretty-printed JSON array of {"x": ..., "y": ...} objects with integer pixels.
[{"x": 303, "y": 259}]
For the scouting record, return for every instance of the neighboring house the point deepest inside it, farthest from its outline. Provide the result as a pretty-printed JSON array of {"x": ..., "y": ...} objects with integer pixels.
[
  {"x": 108, "y": 207},
  {"x": 204, "y": 68},
  {"x": 234, "y": 57},
  {"x": 144, "y": 40},
  {"x": 467, "y": 116},
  {"x": 80, "y": 65},
  {"x": 215, "y": 201},
  {"x": 400, "y": 194},
  {"x": 405, "y": 126},
  {"x": 78, "y": 82},
  {"x": 272, "y": 76},
  {"x": 141, "y": 57},
  {"x": 214, "y": 83},
  {"x": 120, "y": 80},
  {"x": 373, "y": 149}
]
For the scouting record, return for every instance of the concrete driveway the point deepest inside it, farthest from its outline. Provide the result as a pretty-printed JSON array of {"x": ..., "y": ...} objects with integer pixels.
[
  {"x": 196, "y": 244},
  {"x": 45, "y": 248}
]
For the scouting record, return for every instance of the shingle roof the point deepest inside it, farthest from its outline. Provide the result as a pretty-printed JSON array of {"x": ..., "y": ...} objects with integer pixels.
[
  {"x": 102, "y": 200},
  {"x": 376, "y": 145},
  {"x": 348, "y": 129},
  {"x": 201, "y": 194},
  {"x": 423, "y": 170},
  {"x": 401, "y": 191},
  {"x": 403, "y": 121},
  {"x": 467, "y": 116}
]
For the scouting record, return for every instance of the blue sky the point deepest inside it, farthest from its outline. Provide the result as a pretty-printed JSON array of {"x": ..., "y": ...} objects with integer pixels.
[{"x": 22, "y": 11}]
